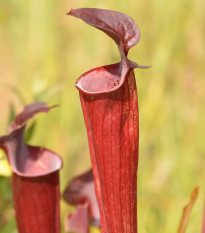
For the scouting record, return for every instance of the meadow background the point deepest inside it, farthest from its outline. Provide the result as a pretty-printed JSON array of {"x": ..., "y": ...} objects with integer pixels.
[{"x": 43, "y": 52}]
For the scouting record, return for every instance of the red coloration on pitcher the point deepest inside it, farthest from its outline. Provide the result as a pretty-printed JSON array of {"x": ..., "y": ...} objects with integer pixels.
[
  {"x": 35, "y": 178},
  {"x": 81, "y": 190},
  {"x": 110, "y": 106},
  {"x": 78, "y": 222},
  {"x": 112, "y": 125}
]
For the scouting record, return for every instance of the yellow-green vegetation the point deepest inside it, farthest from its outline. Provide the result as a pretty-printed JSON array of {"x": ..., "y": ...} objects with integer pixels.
[
  {"x": 43, "y": 52},
  {"x": 5, "y": 169}
]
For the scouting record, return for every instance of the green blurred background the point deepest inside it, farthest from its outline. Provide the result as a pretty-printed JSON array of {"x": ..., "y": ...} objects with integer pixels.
[{"x": 43, "y": 52}]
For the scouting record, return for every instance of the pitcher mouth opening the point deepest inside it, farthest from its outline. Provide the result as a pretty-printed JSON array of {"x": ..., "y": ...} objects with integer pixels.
[{"x": 101, "y": 80}]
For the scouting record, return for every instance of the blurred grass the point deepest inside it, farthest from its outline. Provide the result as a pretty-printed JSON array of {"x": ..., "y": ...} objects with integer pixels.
[{"x": 43, "y": 52}]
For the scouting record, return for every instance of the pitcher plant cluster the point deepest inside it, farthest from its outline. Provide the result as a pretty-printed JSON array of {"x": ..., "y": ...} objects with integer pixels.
[{"x": 106, "y": 195}]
